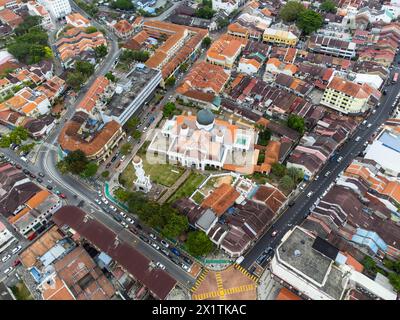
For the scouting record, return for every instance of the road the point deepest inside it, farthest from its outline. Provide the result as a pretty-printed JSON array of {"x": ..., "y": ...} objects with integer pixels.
[{"x": 299, "y": 211}]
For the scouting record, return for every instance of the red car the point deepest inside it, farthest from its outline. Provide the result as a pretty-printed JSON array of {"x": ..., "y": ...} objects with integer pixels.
[
  {"x": 16, "y": 263},
  {"x": 63, "y": 196}
]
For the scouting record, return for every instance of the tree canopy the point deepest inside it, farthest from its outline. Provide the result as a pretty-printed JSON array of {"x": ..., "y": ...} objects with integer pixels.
[
  {"x": 84, "y": 67},
  {"x": 100, "y": 51},
  {"x": 264, "y": 137},
  {"x": 328, "y": 6},
  {"x": 296, "y": 123},
  {"x": 170, "y": 81},
  {"x": 206, "y": 42},
  {"x": 128, "y": 56},
  {"x": 291, "y": 11},
  {"x": 198, "y": 244},
  {"x": 278, "y": 169},
  {"x": 169, "y": 109},
  {"x": 17, "y": 135},
  {"x": 122, "y": 5},
  {"x": 91, "y": 29},
  {"x": 309, "y": 21}
]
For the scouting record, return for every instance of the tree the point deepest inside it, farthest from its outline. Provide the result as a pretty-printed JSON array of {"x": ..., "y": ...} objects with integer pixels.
[
  {"x": 105, "y": 174},
  {"x": 183, "y": 67},
  {"x": 264, "y": 137},
  {"x": 28, "y": 23},
  {"x": 136, "y": 134},
  {"x": 328, "y": 6},
  {"x": 170, "y": 81},
  {"x": 369, "y": 264},
  {"x": 75, "y": 80},
  {"x": 290, "y": 11},
  {"x": 286, "y": 183},
  {"x": 296, "y": 122},
  {"x": 90, "y": 170},
  {"x": 27, "y": 147},
  {"x": 278, "y": 169},
  {"x": 122, "y": 5},
  {"x": 222, "y": 22},
  {"x": 109, "y": 75},
  {"x": 126, "y": 148},
  {"x": 198, "y": 244},
  {"x": 206, "y": 42},
  {"x": 76, "y": 162},
  {"x": 100, "y": 51},
  {"x": 176, "y": 225},
  {"x": 205, "y": 12},
  {"x": 84, "y": 67},
  {"x": 122, "y": 195},
  {"x": 309, "y": 21},
  {"x": 394, "y": 279},
  {"x": 296, "y": 174},
  {"x": 132, "y": 123},
  {"x": 169, "y": 109},
  {"x": 91, "y": 29}
]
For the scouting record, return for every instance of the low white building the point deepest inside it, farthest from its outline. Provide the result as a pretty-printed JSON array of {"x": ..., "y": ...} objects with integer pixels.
[
  {"x": 226, "y": 5},
  {"x": 248, "y": 66},
  {"x": 57, "y": 8},
  {"x": 6, "y": 237}
]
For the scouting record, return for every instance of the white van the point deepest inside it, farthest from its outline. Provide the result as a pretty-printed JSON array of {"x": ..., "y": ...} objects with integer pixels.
[{"x": 24, "y": 159}]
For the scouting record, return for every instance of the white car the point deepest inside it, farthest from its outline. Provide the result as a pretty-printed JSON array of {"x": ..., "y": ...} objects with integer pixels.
[
  {"x": 5, "y": 258},
  {"x": 369, "y": 125},
  {"x": 155, "y": 246},
  {"x": 16, "y": 249},
  {"x": 160, "y": 265},
  {"x": 309, "y": 194},
  {"x": 124, "y": 224},
  {"x": 123, "y": 215},
  {"x": 164, "y": 243},
  {"x": 358, "y": 138},
  {"x": 130, "y": 220},
  {"x": 274, "y": 233},
  {"x": 97, "y": 201},
  {"x": 104, "y": 200},
  {"x": 340, "y": 159},
  {"x": 152, "y": 236},
  {"x": 185, "y": 267},
  {"x": 8, "y": 270}
]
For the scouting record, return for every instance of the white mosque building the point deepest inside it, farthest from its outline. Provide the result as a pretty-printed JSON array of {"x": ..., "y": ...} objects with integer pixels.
[{"x": 198, "y": 141}]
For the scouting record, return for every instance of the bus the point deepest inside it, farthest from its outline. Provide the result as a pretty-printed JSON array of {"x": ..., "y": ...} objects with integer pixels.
[{"x": 395, "y": 77}]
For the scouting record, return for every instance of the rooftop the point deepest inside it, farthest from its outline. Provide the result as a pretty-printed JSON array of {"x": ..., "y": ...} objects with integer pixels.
[{"x": 129, "y": 88}]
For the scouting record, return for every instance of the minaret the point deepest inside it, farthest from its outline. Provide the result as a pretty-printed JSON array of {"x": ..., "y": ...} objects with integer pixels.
[{"x": 142, "y": 182}]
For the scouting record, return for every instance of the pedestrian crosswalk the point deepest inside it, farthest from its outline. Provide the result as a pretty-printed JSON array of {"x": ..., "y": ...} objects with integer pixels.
[
  {"x": 199, "y": 280},
  {"x": 246, "y": 273}
]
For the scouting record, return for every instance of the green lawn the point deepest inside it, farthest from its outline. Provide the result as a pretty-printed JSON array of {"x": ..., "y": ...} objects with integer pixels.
[
  {"x": 164, "y": 174},
  {"x": 198, "y": 197},
  {"x": 21, "y": 292},
  {"x": 188, "y": 187}
]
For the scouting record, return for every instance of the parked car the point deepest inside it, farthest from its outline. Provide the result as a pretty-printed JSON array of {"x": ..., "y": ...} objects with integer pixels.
[
  {"x": 49, "y": 187},
  {"x": 187, "y": 260},
  {"x": 327, "y": 174},
  {"x": 26, "y": 172},
  {"x": 97, "y": 201},
  {"x": 160, "y": 265},
  {"x": 8, "y": 270},
  {"x": 41, "y": 174},
  {"x": 130, "y": 220},
  {"x": 274, "y": 233},
  {"x": 185, "y": 267},
  {"x": 123, "y": 214},
  {"x": 175, "y": 251},
  {"x": 155, "y": 246},
  {"x": 62, "y": 196},
  {"x": 164, "y": 243},
  {"x": 358, "y": 138},
  {"x": 39, "y": 180},
  {"x": 152, "y": 236},
  {"x": 124, "y": 224},
  {"x": 18, "y": 166},
  {"x": 145, "y": 239},
  {"x": 340, "y": 159},
  {"x": 165, "y": 251},
  {"x": 16, "y": 249},
  {"x": 113, "y": 158},
  {"x": 5, "y": 258}
]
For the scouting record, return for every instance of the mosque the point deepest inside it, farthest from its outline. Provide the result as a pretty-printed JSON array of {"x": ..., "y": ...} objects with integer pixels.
[{"x": 201, "y": 140}]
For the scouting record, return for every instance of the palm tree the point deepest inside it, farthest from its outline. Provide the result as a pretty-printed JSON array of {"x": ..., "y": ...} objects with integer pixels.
[{"x": 287, "y": 183}]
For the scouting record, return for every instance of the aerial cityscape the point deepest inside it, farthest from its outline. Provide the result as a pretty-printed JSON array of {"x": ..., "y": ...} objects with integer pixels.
[{"x": 199, "y": 150}]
